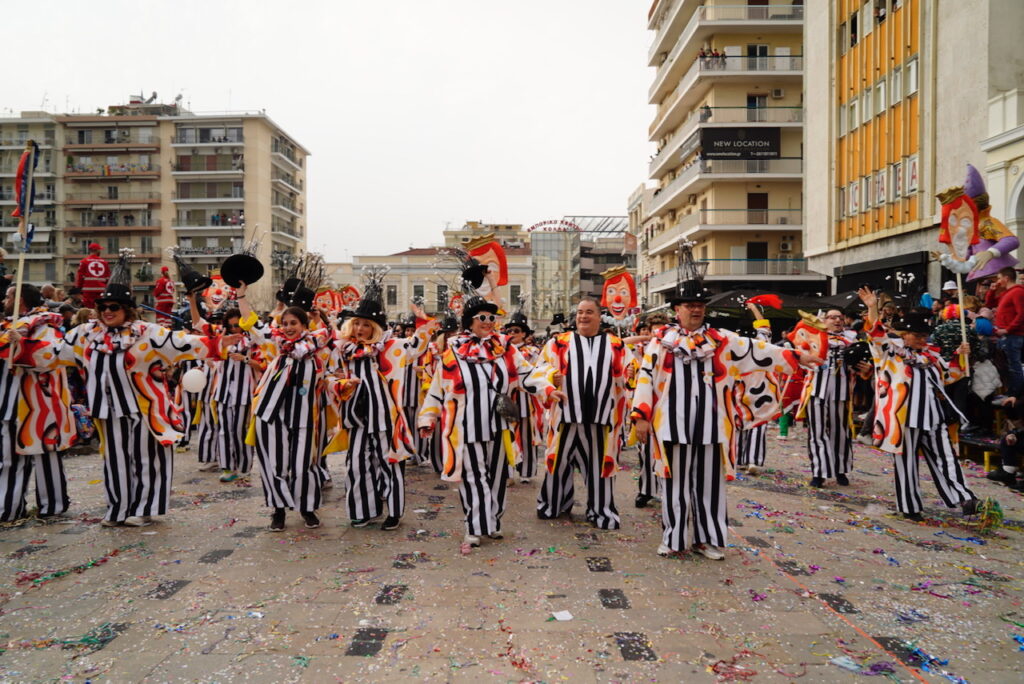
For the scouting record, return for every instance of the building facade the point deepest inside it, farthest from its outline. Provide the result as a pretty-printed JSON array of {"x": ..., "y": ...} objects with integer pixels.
[
  {"x": 907, "y": 84},
  {"x": 151, "y": 176},
  {"x": 728, "y": 169}
]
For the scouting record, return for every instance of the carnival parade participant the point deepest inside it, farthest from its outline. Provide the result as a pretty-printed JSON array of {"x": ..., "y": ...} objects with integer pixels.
[
  {"x": 92, "y": 275},
  {"x": 469, "y": 397},
  {"x": 163, "y": 297},
  {"x": 751, "y": 435},
  {"x": 241, "y": 367},
  {"x": 430, "y": 448},
  {"x": 36, "y": 423},
  {"x": 648, "y": 485},
  {"x": 828, "y": 396},
  {"x": 379, "y": 439},
  {"x": 529, "y": 429},
  {"x": 584, "y": 427},
  {"x": 285, "y": 420},
  {"x": 910, "y": 414},
  {"x": 124, "y": 360},
  {"x": 684, "y": 399}
]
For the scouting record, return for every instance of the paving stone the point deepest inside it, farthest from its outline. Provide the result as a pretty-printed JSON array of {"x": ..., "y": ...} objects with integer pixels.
[
  {"x": 390, "y": 594},
  {"x": 634, "y": 646},
  {"x": 249, "y": 532},
  {"x": 167, "y": 589},
  {"x": 613, "y": 598},
  {"x": 215, "y": 556},
  {"x": 367, "y": 642},
  {"x": 599, "y": 564},
  {"x": 838, "y": 603}
]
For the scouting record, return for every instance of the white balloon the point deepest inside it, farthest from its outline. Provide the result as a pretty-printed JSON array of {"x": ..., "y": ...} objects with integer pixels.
[{"x": 193, "y": 381}]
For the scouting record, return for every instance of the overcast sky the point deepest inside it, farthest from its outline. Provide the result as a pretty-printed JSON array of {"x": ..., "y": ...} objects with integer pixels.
[{"x": 417, "y": 112}]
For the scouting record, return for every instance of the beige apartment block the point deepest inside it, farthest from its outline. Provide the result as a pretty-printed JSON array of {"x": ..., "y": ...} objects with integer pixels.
[
  {"x": 150, "y": 176},
  {"x": 729, "y": 163},
  {"x": 907, "y": 93}
]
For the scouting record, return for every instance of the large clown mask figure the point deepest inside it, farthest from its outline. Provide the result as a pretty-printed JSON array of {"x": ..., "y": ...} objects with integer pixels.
[
  {"x": 489, "y": 253},
  {"x": 810, "y": 336},
  {"x": 959, "y": 224},
  {"x": 349, "y": 296},
  {"x": 619, "y": 292},
  {"x": 218, "y": 293}
]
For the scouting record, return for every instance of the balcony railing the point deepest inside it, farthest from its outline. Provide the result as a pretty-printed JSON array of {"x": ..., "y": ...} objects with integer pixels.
[
  {"x": 783, "y": 165},
  {"x": 8, "y": 196},
  {"x": 106, "y": 197},
  {"x": 17, "y": 142},
  {"x": 751, "y": 267},
  {"x": 8, "y": 222},
  {"x": 212, "y": 221},
  {"x": 12, "y": 169},
  {"x": 760, "y": 217},
  {"x": 200, "y": 167},
  {"x": 191, "y": 139},
  {"x": 206, "y": 196},
  {"x": 110, "y": 169},
  {"x": 716, "y": 12},
  {"x": 114, "y": 140},
  {"x": 205, "y": 251}
]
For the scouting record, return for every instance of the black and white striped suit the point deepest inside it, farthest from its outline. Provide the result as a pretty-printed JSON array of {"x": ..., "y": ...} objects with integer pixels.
[
  {"x": 16, "y": 470},
  {"x": 209, "y": 433},
  {"x": 586, "y": 415},
  {"x": 751, "y": 446},
  {"x": 137, "y": 469},
  {"x": 284, "y": 435},
  {"x": 188, "y": 405},
  {"x": 373, "y": 482},
  {"x": 829, "y": 442},
  {"x": 234, "y": 403},
  {"x": 693, "y": 504}
]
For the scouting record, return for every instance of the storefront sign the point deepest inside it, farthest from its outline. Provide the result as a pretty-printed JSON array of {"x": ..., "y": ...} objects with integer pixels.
[{"x": 740, "y": 143}]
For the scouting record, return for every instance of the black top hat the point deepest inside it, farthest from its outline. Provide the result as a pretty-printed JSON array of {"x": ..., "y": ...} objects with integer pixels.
[
  {"x": 914, "y": 321},
  {"x": 191, "y": 278},
  {"x": 302, "y": 297},
  {"x": 690, "y": 291},
  {"x": 557, "y": 319},
  {"x": 474, "y": 305},
  {"x": 371, "y": 304},
  {"x": 519, "y": 320},
  {"x": 287, "y": 290},
  {"x": 449, "y": 324},
  {"x": 241, "y": 268},
  {"x": 119, "y": 286}
]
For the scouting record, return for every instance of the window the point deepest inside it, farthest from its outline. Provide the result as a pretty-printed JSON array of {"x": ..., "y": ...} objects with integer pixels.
[
  {"x": 185, "y": 242},
  {"x": 146, "y": 244},
  {"x": 442, "y": 297},
  {"x": 842, "y": 202},
  {"x": 867, "y": 111},
  {"x": 865, "y": 18},
  {"x": 854, "y": 196},
  {"x": 50, "y": 271},
  {"x": 881, "y": 196},
  {"x": 869, "y": 193},
  {"x": 853, "y": 29},
  {"x": 113, "y": 245},
  {"x": 841, "y": 116},
  {"x": 853, "y": 119},
  {"x": 897, "y": 85},
  {"x": 417, "y": 292},
  {"x": 514, "y": 291},
  {"x": 896, "y": 181},
  {"x": 912, "y": 76},
  {"x": 880, "y": 105},
  {"x": 844, "y": 39},
  {"x": 392, "y": 295}
]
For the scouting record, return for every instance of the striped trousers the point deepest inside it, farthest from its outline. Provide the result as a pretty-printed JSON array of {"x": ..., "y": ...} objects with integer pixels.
[
  {"x": 580, "y": 446},
  {"x": 208, "y": 439},
  {"x": 483, "y": 486},
  {"x": 828, "y": 438},
  {"x": 528, "y": 466},
  {"x": 373, "y": 483},
  {"x": 429, "y": 450},
  {"x": 17, "y": 469},
  {"x": 693, "y": 502},
  {"x": 321, "y": 447},
  {"x": 938, "y": 451},
  {"x": 647, "y": 483},
  {"x": 232, "y": 451},
  {"x": 751, "y": 447},
  {"x": 291, "y": 478},
  {"x": 188, "y": 410},
  {"x": 137, "y": 469}
]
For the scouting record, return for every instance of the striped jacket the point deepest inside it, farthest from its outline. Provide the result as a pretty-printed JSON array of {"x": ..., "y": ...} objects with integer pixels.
[
  {"x": 124, "y": 370},
  {"x": 34, "y": 388},
  {"x": 691, "y": 385}
]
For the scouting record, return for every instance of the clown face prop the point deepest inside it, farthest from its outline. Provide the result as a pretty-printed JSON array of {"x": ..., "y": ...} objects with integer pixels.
[
  {"x": 489, "y": 253},
  {"x": 217, "y": 293},
  {"x": 619, "y": 292},
  {"x": 809, "y": 335},
  {"x": 349, "y": 296}
]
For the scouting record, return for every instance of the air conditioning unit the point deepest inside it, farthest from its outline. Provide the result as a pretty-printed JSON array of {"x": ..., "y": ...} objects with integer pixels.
[
  {"x": 72, "y": 239},
  {"x": 786, "y": 246},
  {"x": 783, "y": 220},
  {"x": 778, "y": 93}
]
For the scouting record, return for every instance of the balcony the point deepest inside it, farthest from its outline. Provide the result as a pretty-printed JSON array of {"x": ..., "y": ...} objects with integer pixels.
[
  {"x": 739, "y": 270},
  {"x": 286, "y": 233},
  {"x": 7, "y": 197},
  {"x": 111, "y": 171},
  {"x": 19, "y": 144},
  {"x": 11, "y": 170},
  {"x": 206, "y": 251},
  {"x": 119, "y": 143},
  {"x": 232, "y": 197},
  {"x": 151, "y": 226},
  {"x": 288, "y": 183},
  {"x": 286, "y": 208},
  {"x": 105, "y": 200},
  {"x": 707, "y": 221},
  {"x": 182, "y": 139},
  {"x": 708, "y": 20},
  {"x": 219, "y": 168},
  {"x": 701, "y": 173},
  {"x": 684, "y": 141}
]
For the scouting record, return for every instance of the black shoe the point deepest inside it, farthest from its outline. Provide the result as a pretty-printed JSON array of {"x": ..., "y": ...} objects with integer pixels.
[
  {"x": 969, "y": 507},
  {"x": 391, "y": 523},
  {"x": 1002, "y": 476},
  {"x": 544, "y": 516},
  {"x": 277, "y": 520},
  {"x": 817, "y": 482},
  {"x": 916, "y": 517},
  {"x": 642, "y": 500},
  {"x": 842, "y": 480},
  {"x": 312, "y": 522},
  {"x": 1017, "y": 486},
  {"x": 362, "y": 522}
]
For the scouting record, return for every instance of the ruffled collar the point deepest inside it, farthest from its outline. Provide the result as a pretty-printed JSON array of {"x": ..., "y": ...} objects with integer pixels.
[
  {"x": 695, "y": 345},
  {"x": 108, "y": 340},
  {"x": 918, "y": 359},
  {"x": 476, "y": 350},
  {"x": 351, "y": 350}
]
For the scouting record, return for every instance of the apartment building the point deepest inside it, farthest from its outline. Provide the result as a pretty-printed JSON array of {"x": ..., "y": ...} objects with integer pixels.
[
  {"x": 150, "y": 176},
  {"x": 907, "y": 84},
  {"x": 728, "y": 169}
]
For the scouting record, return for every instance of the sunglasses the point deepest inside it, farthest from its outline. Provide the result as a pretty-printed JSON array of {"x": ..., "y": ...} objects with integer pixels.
[
  {"x": 109, "y": 307},
  {"x": 486, "y": 318}
]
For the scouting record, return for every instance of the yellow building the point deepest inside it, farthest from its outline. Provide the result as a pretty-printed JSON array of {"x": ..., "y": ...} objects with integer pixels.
[
  {"x": 728, "y": 131},
  {"x": 906, "y": 84},
  {"x": 149, "y": 176}
]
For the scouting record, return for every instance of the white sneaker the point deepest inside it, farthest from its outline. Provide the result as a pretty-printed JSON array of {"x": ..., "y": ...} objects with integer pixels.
[
  {"x": 782, "y": 438},
  {"x": 712, "y": 552},
  {"x": 864, "y": 439},
  {"x": 472, "y": 540},
  {"x": 208, "y": 467},
  {"x": 664, "y": 551},
  {"x": 109, "y": 523},
  {"x": 525, "y": 480},
  {"x": 752, "y": 470},
  {"x": 136, "y": 521}
]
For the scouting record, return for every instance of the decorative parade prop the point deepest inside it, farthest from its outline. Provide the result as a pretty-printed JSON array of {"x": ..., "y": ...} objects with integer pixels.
[
  {"x": 618, "y": 295},
  {"x": 193, "y": 381},
  {"x": 119, "y": 285},
  {"x": 349, "y": 296},
  {"x": 489, "y": 254},
  {"x": 218, "y": 293},
  {"x": 25, "y": 197},
  {"x": 371, "y": 304},
  {"x": 243, "y": 266},
  {"x": 809, "y": 335},
  {"x": 193, "y": 281}
]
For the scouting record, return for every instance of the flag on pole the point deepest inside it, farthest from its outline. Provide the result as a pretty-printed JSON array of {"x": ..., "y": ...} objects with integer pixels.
[{"x": 25, "y": 197}]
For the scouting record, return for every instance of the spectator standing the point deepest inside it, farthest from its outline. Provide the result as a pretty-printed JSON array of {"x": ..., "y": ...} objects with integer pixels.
[{"x": 1010, "y": 327}]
